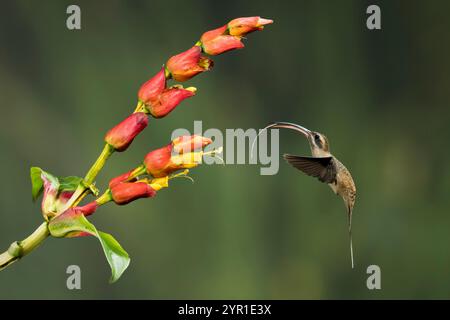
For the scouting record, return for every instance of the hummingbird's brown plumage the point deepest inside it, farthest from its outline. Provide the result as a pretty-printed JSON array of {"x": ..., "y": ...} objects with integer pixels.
[{"x": 324, "y": 166}]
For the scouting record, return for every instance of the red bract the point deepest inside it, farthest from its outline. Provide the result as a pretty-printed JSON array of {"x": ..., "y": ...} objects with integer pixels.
[
  {"x": 217, "y": 41},
  {"x": 121, "y": 136},
  {"x": 122, "y": 178},
  {"x": 72, "y": 214},
  {"x": 187, "y": 64},
  {"x": 171, "y": 158},
  {"x": 160, "y": 100},
  {"x": 241, "y": 26},
  {"x": 169, "y": 100},
  {"x": 65, "y": 196},
  {"x": 157, "y": 161},
  {"x": 153, "y": 88},
  {"x": 88, "y": 209},
  {"x": 126, "y": 192}
]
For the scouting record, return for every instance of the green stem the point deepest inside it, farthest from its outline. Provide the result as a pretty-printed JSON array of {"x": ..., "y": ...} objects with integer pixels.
[
  {"x": 137, "y": 172},
  {"x": 80, "y": 192},
  {"x": 140, "y": 107},
  {"x": 80, "y": 196},
  {"x": 19, "y": 249},
  {"x": 104, "y": 198},
  {"x": 107, "y": 151}
]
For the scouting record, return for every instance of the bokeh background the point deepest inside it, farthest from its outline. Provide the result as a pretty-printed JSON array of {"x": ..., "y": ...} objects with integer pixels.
[{"x": 380, "y": 96}]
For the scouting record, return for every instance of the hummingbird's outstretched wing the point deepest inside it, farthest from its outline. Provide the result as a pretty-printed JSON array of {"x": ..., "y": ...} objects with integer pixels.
[{"x": 321, "y": 168}]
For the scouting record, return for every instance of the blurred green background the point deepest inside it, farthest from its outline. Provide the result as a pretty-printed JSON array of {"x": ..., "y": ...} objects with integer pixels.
[{"x": 380, "y": 96}]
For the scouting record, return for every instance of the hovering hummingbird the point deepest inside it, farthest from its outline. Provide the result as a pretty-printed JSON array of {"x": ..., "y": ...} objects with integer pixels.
[{"x": 324, "y": 166}]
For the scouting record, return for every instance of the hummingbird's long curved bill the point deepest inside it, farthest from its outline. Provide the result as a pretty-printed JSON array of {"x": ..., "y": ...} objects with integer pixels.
[
  {"x": 288, "y": 125},
  {"x": 281, "y": 125}
]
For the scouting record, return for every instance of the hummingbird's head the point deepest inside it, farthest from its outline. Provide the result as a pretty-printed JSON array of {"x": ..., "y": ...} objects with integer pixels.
[{"x": 317, "y": 141}]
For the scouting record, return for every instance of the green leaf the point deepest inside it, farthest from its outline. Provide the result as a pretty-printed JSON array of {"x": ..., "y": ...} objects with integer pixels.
[
  {"x": 69, "y": 222},
  {"x": 36, "y": 182},
  {"x": 72, "y": 222},
  {"x": 117, "y": 257},
  {"x": 69, "y": 183},
  {"x": 65, "y": 184}
]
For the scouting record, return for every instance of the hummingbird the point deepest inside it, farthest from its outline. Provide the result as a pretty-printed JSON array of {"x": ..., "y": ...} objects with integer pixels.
[{"x": 325, "y": 167}]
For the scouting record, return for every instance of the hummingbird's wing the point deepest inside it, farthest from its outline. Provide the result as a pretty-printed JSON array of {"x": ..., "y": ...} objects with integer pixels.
[{"x": 321, "y": 168}]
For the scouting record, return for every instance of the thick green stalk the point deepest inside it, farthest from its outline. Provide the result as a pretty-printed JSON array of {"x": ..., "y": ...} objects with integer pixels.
[
  {"x": 107, "y": 151},
  {"x": 18, "y": 249},
  {"x": 104, "y": 198}
]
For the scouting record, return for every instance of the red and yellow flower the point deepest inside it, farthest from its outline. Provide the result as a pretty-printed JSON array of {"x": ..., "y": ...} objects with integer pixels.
[
  {"x": 188, "y": 64},
  {"x": 229, "y": 36},
  {"x": 242, "y": 26},
  {"x": 182, "y": 153}
]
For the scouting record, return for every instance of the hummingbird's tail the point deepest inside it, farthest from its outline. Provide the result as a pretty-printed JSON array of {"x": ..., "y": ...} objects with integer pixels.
[
  {"x": 351, "y": 248},
  {"x": 350, "y": 234}
]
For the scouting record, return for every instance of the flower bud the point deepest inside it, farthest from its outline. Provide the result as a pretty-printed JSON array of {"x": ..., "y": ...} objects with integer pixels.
[
  {"x": 121, "y": 136},
  {"x": 217, "y": 41},
  {"x": 126, "y": 192},
  {"x": 241, "y": 26},
  {"x": 125, "y": 177},
  {"x": 187, "y": 64},
  {"x": 153, "y": 88},
  {"x": 173, "y": 157}
]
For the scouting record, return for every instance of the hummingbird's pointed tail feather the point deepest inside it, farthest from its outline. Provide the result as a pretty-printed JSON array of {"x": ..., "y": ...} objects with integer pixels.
[
  {"x": 351, "y": 249},
  {"x": 350, "y": 235}
]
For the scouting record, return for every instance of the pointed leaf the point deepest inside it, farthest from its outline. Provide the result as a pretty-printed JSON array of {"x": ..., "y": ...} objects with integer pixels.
[
  {"x": 36, "y": 182},
  {"x": 73, "y": 223},
  {"x": 69, "y": 183},
  {"x": 70, "y": 222},
  {"x": 117, "y": 257}
]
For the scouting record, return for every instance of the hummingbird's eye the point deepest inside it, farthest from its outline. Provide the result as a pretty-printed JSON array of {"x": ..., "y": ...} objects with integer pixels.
[{"x": 318, "y": 140}]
